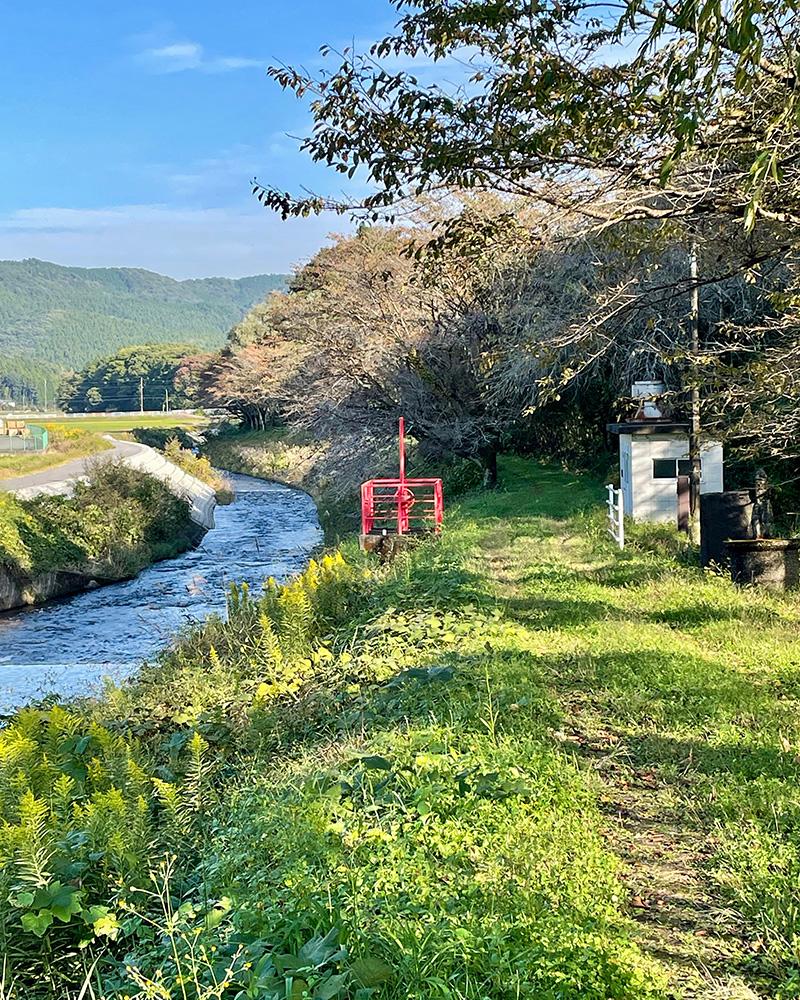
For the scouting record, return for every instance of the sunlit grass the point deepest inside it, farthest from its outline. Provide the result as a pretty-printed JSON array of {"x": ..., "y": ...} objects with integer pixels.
[
  {"x": 102, "y": 424},
  {"x": 66, "y": 445},
  {"x": 477, "y": 760}
]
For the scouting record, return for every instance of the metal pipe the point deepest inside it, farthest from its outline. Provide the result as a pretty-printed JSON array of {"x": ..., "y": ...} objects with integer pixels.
[{"x": 694, "y": 432}]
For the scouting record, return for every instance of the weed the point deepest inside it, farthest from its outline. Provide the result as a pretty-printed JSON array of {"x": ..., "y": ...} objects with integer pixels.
[{"x": 516, "y": 763}]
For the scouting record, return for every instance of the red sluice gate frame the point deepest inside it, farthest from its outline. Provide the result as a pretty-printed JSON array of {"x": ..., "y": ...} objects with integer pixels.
[{"x": 401, "y": 506}]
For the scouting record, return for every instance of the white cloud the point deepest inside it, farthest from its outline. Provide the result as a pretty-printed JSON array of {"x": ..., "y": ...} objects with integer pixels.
[
  {"x": 182, "y": 56},
  {"x": 183, "y": 243},
  {"x": 172, "y": 58},
  {"x": 230, "y": 63},
  {"x": 228, "y": 172}
]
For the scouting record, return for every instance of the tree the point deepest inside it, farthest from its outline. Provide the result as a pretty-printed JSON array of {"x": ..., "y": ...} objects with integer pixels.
[
  {"x": 133, "y": 377},
  {"x": 640, "y": 111},
  {"x": 678, "y": 109},
  {"x": 365, "y": 336},
  {"x": 502, "y": 335},
  {"x": 248, "y": 381}
]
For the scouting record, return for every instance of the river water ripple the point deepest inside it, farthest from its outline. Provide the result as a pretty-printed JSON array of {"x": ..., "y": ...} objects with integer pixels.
[{"x": 68, "y": 646}]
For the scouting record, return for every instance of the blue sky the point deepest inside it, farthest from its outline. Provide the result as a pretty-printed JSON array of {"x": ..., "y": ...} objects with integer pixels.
[{"x": 130, "y": 132}]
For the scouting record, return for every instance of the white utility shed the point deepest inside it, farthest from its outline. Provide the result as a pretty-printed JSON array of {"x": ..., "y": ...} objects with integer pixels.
[
  {"x": 653, "y": 453},
  {"x": 651, "y": 457}
]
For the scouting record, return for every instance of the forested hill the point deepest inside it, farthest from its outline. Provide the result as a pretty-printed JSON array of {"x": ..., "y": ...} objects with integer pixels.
[{"x": 67, "y": 316}]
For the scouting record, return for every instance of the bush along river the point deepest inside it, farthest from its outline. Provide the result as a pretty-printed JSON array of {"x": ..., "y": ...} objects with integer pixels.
[{"x": 68, "y": 646}]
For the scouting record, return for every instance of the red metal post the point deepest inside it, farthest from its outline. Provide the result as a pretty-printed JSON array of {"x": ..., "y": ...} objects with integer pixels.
[
  {"x": 402, "y": 512},
  {"x": 367, "y": 507},
  {"x": 386, "y": 500}
]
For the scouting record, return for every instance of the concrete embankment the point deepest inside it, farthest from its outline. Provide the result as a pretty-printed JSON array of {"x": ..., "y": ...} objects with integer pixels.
[
  {"x": 18, "y": 588},
  {"x": 61, "y": 480},
  {"x": 202, "y": 498}
]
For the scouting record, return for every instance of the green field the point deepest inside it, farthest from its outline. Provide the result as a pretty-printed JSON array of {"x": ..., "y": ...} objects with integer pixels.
[
  {"x": 82, "y": 436},
  {"x": 102, "y": 424},
  {"x": 516, "y": 763}
]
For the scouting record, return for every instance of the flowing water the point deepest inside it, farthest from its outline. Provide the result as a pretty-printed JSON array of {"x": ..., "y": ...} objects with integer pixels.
[{"x": 68, "y": 646}]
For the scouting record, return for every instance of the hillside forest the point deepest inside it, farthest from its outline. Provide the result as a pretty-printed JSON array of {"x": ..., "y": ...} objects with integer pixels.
[
  {"x": 135, "y": 378},
  {"x": 55, "y": 319}
]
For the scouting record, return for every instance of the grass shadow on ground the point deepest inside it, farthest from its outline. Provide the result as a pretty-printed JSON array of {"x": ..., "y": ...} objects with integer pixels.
[
  {"x": 550, "y": 613},
  {"x": 633, "y": 571},
  {"x": 666, "y": 687},
  {"x": 504, "y": 691}
]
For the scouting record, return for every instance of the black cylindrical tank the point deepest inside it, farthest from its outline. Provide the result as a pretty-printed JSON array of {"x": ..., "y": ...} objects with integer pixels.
[{"x": 722, "y": 516}]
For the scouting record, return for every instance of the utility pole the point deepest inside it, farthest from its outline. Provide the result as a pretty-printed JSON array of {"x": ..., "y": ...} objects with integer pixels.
[
  {"x": 141, "y": 395},
  {"x": 45, "y": 395},
  {"x": 166, "y": 398},
  {"x": 694, "y": 430}
]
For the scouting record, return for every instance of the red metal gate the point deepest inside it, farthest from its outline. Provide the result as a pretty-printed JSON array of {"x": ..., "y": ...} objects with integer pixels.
[{"x": 401, "y": 506}]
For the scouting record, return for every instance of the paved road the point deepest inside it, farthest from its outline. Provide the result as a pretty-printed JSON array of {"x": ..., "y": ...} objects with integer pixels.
[{"x": 70, "y": 470}]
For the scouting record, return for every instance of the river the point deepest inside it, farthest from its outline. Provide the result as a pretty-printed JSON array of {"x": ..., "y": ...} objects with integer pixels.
[{"x": 68, "y": 646}]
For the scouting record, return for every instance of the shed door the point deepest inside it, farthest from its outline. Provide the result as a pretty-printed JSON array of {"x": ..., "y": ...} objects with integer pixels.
[{"x": 625, "y": 479}]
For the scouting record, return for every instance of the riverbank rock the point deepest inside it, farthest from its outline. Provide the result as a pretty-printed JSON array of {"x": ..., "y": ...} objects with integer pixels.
[{"x": 17, "y": 589}]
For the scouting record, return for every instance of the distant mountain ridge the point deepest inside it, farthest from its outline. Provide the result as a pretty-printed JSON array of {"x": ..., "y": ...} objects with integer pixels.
[{"x": 68, "y": 316}]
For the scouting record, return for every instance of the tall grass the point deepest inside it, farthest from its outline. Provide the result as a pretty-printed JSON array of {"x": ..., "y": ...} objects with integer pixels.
[{"x": 427, "y": 779}]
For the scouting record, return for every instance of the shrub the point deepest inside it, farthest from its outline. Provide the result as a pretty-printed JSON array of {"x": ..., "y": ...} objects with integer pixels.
[
  {"x": 118, "y": 521},
  {"x": 65, "y": 439},
  {"x": 271, "y": 645}
]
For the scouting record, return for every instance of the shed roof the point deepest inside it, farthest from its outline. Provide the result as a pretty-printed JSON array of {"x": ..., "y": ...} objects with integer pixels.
[{"x": 649, "y": 427}]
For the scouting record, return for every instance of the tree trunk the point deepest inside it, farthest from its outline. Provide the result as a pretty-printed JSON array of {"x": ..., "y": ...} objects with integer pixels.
[{"x": 488, "y": 456}]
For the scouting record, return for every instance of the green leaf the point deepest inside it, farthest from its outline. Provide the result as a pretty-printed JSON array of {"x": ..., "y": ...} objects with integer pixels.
[
  {"x": 107, "y": 926},
  {"x": 37, "y": 923},
  {"x": 376, "y": 763},
  {"x": 317, "y": 951},
  {"x": 370, "y": 971},
  {"x": 331, "y": 987},
  {"x": 65, "y": 901},
  {"x": 217, "y": 913}
]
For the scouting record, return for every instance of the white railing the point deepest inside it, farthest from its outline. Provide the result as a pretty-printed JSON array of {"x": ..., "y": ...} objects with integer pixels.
[{"x": 616, "y": 515}]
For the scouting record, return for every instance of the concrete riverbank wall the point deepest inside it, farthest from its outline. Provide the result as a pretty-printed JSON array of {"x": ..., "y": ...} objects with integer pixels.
[
  {"x": 202, "y": 498},
  {"x": 18, "y": 589}
]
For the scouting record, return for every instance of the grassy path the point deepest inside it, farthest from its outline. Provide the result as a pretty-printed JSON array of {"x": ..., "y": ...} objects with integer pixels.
[
  {"x": 517, "y": 765},
  {"x": 660, "y": 844},
  {"x": 677, "y": 692},
  {"x": 586, "y": 768}
]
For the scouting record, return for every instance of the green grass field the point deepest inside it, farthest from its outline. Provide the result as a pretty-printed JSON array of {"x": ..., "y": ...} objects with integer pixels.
[
  {"x": 517, "y": 763},
  {"x": 102, "y": 424},
  {"x": 88, "y": 441}
]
